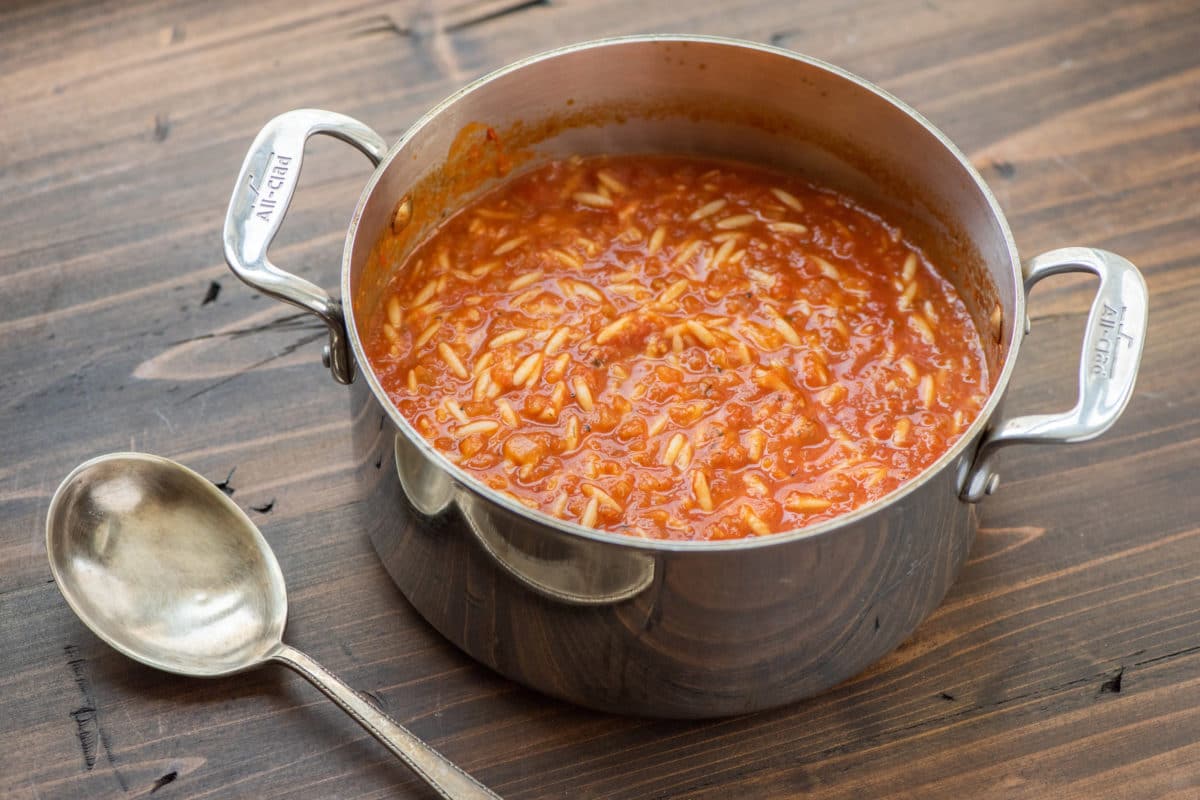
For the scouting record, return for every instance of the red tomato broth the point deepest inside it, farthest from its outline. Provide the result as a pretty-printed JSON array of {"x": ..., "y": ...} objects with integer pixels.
[{"x": 678, "y": 348}]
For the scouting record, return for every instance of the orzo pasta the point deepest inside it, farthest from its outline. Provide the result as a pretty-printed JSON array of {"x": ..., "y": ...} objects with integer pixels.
[{"x": 678, "y": 348}]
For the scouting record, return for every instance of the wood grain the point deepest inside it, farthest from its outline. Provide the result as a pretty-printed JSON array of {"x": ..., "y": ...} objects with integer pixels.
[{"x": 1065, "y": 662}]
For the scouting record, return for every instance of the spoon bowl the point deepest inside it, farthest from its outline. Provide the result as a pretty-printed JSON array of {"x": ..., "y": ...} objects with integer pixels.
[{"x": 161, "y": 565}]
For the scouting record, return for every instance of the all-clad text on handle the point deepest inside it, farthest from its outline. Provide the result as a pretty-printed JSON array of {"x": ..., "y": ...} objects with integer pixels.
[
  {"x": 1112, "y": 352},
  {"x": 260, "y": 200}
]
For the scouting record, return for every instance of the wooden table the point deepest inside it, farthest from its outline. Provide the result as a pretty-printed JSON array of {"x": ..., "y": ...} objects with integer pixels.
[{"x": 1065, "y": 662}]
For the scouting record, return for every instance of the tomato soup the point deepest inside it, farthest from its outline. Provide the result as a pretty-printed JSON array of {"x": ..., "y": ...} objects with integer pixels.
[{"x": 678, "y": 348}]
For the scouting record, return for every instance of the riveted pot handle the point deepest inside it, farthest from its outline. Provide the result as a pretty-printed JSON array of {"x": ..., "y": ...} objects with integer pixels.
[
  {"x": 1112, "y": 352},
  {"x": 260, "y": 199}
]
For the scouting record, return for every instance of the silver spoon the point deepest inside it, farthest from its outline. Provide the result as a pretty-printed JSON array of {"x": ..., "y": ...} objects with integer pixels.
[{"x": 164, "y": 567}]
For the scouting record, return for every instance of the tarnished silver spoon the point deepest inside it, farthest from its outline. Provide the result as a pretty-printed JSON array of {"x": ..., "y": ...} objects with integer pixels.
[{"x": 164, "y": 567}]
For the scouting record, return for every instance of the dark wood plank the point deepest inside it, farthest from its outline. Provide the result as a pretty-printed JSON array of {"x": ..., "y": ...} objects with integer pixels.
[{"x": 1066, "y": 659}]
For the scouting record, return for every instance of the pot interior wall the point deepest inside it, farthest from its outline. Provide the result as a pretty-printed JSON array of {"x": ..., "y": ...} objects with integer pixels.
[{"x": 706, "y": 98}]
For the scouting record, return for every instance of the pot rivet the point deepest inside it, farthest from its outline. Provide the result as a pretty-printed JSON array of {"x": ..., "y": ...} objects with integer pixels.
[
  {"x": 327, "y": 356},
  {"x": 402, "y": 215},
  {"x": 992, "y": 484}
]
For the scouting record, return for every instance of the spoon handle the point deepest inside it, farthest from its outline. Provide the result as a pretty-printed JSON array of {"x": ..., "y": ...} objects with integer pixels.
[{"x": 438, "y": 771}]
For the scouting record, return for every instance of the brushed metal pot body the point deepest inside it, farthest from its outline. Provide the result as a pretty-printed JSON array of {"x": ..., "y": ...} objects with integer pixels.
[{"x": 661, "y": 628}]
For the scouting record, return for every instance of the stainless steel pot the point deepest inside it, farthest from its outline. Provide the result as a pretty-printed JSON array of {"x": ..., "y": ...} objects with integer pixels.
[{"x": 668, "y": 628}]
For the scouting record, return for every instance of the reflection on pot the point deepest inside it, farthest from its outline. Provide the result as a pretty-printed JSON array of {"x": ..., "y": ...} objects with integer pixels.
[{"x": 568, "y": 570}]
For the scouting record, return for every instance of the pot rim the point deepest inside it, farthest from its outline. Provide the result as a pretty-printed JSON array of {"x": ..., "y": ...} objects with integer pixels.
[{"x": 478, "y": 488}]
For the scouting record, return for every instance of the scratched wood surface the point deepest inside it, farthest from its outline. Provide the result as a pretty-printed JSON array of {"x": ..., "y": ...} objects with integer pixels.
[{"x": 1064, "y": 663}]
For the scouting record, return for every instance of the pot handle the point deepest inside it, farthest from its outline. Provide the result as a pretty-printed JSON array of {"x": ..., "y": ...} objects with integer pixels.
[
  {"x": 260, "y": 200},
  {"x": 1112, "y": 352}
]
